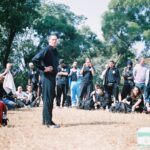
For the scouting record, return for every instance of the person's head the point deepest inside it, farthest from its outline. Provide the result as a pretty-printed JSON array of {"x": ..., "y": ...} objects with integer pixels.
[
  {"x": 9, "y": 66},
  {"x": 19, "y": 88},
  {"x": 142, "y": 61},
  {"x": 29, "y": 88},
  {"x": 99, "y": 89},
  {"x": 97, "y": 86},
  {"x": 88, "y": 62},
  {"x": 111, "y": 64},
  {"x": 52, "y": 40},
  {"x": 74, "y": 65},
  {"x": 135, "y": 91},
  {"x": 129, "y": 64},
  {"x": 62, "y": 62},
  {"x": 31, "y": 65}
]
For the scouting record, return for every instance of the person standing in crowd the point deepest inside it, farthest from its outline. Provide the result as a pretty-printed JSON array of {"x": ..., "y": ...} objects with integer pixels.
[
  {"x": 103, "y": 74},
  {"x": 88, "y": 72},
  {"x": 139, "y": 73},
  {"x": 33, "y": 78},
  {"x": 112, "y": 81},
  {"x": 47, "y": 61},
  {"x": 128, "y": 80},
  {"x": 8, "y": 84},
  {"x": 62, "y": 83},
  {"x": 74, "y": 74}
]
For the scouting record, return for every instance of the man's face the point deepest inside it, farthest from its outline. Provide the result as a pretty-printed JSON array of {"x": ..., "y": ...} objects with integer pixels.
[
  {"x": 88, "y": 62},
  {"x": 74, "y": 64},
  {"x": 9, "y": 66},
  {"x": 53, "y": 41},
  {"x": 20, "y": 89},
  {"x": 32, "y": 66},
  {"x": 111, "y": 65},
  {"x": 142, "y": 62}
]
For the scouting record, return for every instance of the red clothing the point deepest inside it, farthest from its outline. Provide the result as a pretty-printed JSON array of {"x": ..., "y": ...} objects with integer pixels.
[{"x": 2, "y": 109}]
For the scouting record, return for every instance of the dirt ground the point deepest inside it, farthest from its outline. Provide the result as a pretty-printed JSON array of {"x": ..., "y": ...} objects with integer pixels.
[{"x": 80, "y": 130}]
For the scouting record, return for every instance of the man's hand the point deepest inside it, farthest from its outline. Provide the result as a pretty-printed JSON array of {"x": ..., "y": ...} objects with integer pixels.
[{"x": 48, "y": 69}]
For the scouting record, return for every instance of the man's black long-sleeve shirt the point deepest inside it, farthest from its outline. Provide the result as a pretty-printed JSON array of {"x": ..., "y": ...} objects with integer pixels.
[{"x": 46, "y": 57}]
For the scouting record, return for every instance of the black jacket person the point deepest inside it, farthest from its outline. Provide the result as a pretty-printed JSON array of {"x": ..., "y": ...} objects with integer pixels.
[
  {"x": 47, "y": 61},
  {"x": 112, "y": 81}
]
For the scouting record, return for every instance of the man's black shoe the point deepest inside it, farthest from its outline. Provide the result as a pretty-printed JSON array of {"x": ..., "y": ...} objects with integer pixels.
[{"x": 53, "y": 125}]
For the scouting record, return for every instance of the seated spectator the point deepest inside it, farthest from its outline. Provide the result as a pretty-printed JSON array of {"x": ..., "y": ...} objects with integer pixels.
[
  {"x": 99, "y": 97},
  {"x": 31, "y": 96},
  {"x": 22, "y": 97},
  {"x": 11, "y": 105},
  {"x": 133, "y": 103}
]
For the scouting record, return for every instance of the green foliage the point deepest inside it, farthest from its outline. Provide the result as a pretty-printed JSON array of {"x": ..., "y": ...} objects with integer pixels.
[
  {"x": 21, "y": 79},
  {"x": 125, "y": 23},
  {"x": 15, "y": 16}
]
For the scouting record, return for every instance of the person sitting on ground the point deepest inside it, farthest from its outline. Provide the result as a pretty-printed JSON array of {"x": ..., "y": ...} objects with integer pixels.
[
  {"x": 99, "y": 97},
  {"x": 132, "y": 103},
  {"x": 31, "y": 96},
  {"x": 22, "y": 97}
]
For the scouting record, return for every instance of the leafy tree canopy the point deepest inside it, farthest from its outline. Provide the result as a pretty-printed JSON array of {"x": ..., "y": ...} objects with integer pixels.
[{"x": 125, "y": 23}]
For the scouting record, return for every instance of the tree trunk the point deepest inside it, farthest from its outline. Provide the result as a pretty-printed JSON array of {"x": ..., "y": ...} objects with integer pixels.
[{"x": 7, "y": 50}]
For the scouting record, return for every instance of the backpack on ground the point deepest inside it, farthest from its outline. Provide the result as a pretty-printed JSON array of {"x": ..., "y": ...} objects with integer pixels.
[
  {"x": 120, "y": 107},
  {"x": 87, "y": 104}
]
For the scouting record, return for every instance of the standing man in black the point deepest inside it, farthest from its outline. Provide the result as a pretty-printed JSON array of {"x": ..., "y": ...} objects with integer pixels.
[
  {"x": 88, "y": 72},
  {"x": 47, "y": 61},
  {"x": 112, "y": 81},
  {"x": 62, "y": 83}
]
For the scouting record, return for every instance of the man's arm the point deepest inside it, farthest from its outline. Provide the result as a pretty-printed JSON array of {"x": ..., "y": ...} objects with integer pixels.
[
  {"x": 92, "y": 70},
  {"x": 37, "y": 60}
]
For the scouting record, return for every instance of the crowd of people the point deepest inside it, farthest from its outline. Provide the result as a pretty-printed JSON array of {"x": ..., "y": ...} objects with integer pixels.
[{"x": 73, "y": 86}]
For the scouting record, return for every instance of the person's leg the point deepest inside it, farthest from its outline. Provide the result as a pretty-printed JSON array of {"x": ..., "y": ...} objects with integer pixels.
[
  {"x": 82, "y": 93},
  {"x": 10, "y": 104},
  {"x": 47, "y": 99},
  {"x": 20, "y": 104},
  {"x": 116, "y": 92},
  {"x": 53, "y": 95},
  {"x": 124, "y": 92},
  {"x": 64, "y": 91},
  {"x": 58, "y": 96},
  {"x": 89, "y": 89},
  {"x": 109, "y": 91},
  {"x": 83, "y": 90},
  {"x": 73, "y": 93}
]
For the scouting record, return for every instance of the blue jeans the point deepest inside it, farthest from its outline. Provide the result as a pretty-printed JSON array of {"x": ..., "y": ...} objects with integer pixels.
[
  {"x": 74, "y": 92},
  {"x": 10, "y": 104}
]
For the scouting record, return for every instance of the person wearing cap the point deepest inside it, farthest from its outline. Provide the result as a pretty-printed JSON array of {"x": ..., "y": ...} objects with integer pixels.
[
  {"x": 128, "y": 80},
  {"x": 47, "y": 61},
  {"x": 62, "y": 83}
]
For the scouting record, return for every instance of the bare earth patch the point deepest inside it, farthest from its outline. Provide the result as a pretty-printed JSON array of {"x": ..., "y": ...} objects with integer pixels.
[{"x": 80, "y": 130}]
